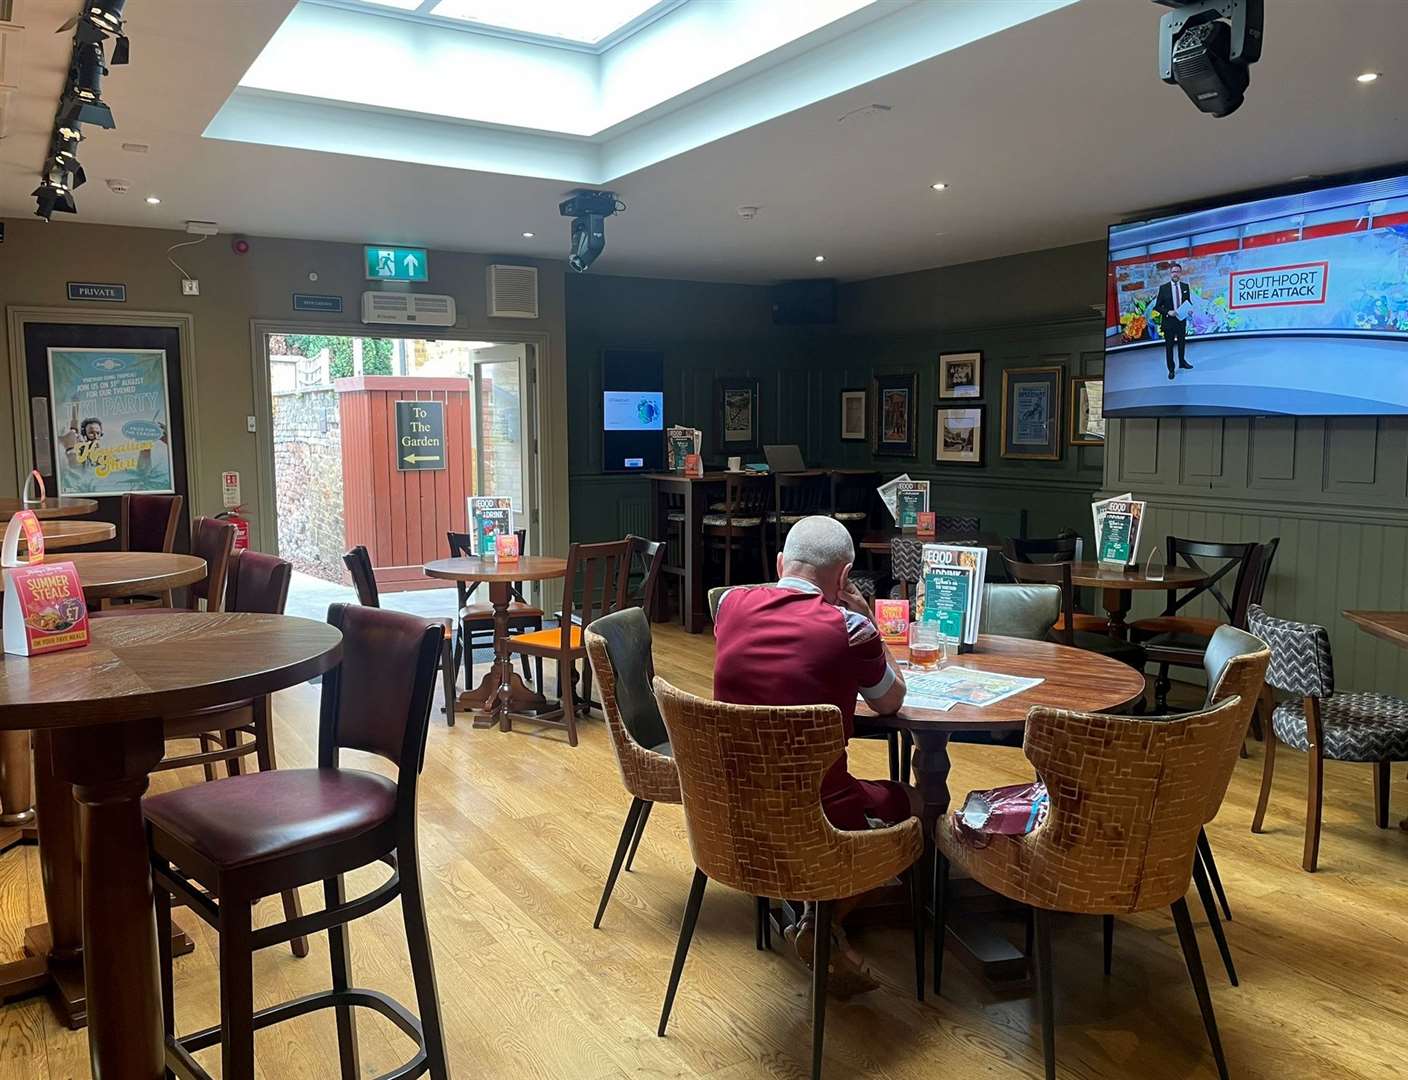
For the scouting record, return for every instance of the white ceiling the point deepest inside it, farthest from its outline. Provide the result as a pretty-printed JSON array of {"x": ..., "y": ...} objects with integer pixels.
[{"x": 1045, "y": 133}]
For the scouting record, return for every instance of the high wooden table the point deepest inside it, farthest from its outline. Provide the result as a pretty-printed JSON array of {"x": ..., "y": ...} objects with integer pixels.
[
  {"x": 97, "y": 716},
  {"x": 49, "y": 508},
  {"x": 695, "y": 493},
  {"x": 1072, "y": 679},
  {"x": 1117, "y": 587},
  {"x": 501, "y": 695},
  {"x": 879, "y": 541},
  {"x": 1390, "y": 626},
  {"x": 71, "y": 534}
]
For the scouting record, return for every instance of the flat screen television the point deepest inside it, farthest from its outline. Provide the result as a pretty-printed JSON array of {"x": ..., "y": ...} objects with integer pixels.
[
  {"x": 632, "y": 410},
  {"x": 1291, "y": 305}
]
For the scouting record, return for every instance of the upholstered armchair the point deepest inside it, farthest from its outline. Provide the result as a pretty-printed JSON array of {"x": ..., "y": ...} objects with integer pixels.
[{"x": 750, "y": 778}]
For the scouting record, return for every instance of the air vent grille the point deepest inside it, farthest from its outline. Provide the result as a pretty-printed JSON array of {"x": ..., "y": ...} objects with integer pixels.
[{"x": 513, "y": 292}]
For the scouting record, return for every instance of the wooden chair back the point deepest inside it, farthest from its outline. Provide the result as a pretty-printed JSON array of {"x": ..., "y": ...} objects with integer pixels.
[
  {"x": 359, "y": 564},
  {"x": 462, "y": 547},
  {"x": 1128, "y": 797},
  {"x": 378, "y": 699},
  {"x": 1219, "y": 561},
  {"x": 213, "y": 541},
  {"x": 1263, "y": 571},
  {"x": 618, "y": 648},
  {"x": 149, "y": 522},
  {"x": 258, "y": 583},
  {"x": 750, "y": 781},
  {"x": 595, "y": 584},
  {"x": 854, "y": 493},
  {"x": 745, "y": 497},
  {"x": 802, "y": 494},
  {"x": 1051, "y": 549},
  {"x": 1054, "y": 573},
  {"x": 647, "y": 557}
]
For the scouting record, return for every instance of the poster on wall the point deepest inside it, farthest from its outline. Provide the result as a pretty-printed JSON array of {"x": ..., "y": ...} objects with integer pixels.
[{"x": 111, "y": 414}]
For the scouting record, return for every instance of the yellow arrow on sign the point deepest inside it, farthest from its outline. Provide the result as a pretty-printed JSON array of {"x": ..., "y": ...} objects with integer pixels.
[{"x": 411, "y": 459}]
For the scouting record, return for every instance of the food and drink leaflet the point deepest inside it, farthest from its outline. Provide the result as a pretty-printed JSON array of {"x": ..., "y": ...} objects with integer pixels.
[
  {"x": 680, "y": 442},
  {"x": 951, "y": 589},
  {"x": 1119, "y": 522},
  {"x": 490, "y": 516},
  {"x": 44, "y": 609},
  {"x": 911, "y": 500}
]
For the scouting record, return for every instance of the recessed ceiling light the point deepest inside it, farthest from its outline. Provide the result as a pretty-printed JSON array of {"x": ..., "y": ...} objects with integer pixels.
[
  {"x": 1367, "y": 77},
  {"x": 821, "y": 258},
  {"x": 527, "y": 236},
  {"x": 940, "y": 186},
  {"x": 152, "y": 200}
]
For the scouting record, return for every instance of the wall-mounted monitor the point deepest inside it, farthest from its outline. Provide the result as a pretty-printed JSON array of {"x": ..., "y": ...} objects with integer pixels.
[
  {"x": 632, "y": 410},
  {"x": 1293, "y": 305}
]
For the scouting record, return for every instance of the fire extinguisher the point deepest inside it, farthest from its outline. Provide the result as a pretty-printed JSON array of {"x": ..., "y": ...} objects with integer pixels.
[{"x": 241, "y": 525}]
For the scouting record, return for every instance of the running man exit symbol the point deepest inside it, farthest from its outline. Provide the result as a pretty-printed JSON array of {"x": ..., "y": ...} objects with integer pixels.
[{"x": 396, "y": 264}]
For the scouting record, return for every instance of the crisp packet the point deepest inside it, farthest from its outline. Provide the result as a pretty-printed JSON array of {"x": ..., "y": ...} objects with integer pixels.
[{"x": 1006, "y": 811}]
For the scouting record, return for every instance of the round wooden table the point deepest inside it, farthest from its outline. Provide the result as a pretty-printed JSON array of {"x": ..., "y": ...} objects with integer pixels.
[
  {"x": 49, "y": 508},
  {"x": 97, "y": 716},
  {"x": 108, "y": 574},
  {"x": 71, "y": 534},
  {"x": 1117, "y": 587},
  {"x": 501, "y": 694},
  {"x": 1072, "y": 679}
]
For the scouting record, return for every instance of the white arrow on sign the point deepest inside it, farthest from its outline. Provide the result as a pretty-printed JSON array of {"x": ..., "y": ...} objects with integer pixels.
[
  {"x": 410, "y": 262},
  {"x": 411, "y": 459}
]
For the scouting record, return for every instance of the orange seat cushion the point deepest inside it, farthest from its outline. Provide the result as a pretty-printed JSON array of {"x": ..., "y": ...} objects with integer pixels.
[
  {"x": 1175, "y": 624},
  {"x": 546, "y": 639},
  {"x": 1083, "y": 621}
]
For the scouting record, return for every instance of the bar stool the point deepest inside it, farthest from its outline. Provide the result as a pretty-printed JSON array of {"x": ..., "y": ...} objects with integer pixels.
[{"x": 220, "y": 846}]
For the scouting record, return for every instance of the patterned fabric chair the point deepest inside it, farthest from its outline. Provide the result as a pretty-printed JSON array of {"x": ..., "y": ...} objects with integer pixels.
[
  {"x": 906, "y": 563},
  {"x": 1128, "y": 798},
  {"x": 751, "y": 777},
  {"x": 1324, "y": 723}
]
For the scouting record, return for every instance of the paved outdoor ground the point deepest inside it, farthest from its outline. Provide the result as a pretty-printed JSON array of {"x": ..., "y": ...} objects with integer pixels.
[{"x": 309, "y": 597}]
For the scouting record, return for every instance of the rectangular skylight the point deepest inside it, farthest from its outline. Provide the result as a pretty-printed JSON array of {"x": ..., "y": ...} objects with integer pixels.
[{"x": 586, "y": 23}]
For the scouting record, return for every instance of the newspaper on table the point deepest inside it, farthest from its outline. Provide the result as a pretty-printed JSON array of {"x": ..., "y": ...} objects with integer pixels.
[
  {"x": 951, "y": 590},
  {"x": 957, "y": 685},
  {"x": 889, "y": 497}
]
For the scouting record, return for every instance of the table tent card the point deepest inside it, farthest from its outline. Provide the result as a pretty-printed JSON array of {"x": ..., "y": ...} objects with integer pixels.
[
  {"x": 33, "y": 494},
  {"x": 1120, "y": 527},
  {"x": 889, "y": 498},
  {"x": 44, "y": 609},
  {"x": 680, "y": 442},
  {"x": 911, "y": 500},
  {"x": 951, "y": 590},
  {"x": 1097, "y": 513},
  {"x": 506, "y": 547},
  {"x": 490, "y": 516},
  {"x": 892, "y": 618},
  {"x": 23, "y": 526},
  {"x": 927, "y": 525}
]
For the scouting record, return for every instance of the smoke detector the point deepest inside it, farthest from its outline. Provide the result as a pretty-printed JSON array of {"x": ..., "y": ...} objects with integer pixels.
[
  {"x": 119, "y": 187},
  {"x": 747, "y": 213}
]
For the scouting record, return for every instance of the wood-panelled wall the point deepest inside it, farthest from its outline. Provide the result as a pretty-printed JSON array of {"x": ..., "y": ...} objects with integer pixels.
[{"x": 1334, "y": 490}]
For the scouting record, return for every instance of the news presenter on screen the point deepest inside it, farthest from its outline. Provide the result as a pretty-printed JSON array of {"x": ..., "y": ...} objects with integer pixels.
[{"x": 1172, "y": 293}]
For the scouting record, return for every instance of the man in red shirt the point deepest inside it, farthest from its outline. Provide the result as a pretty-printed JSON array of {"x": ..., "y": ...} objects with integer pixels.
[{"x": 811, "y": 639}]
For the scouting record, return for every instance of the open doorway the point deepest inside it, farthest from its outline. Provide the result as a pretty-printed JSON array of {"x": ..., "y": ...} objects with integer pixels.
[{"x": 379, "y": 442}]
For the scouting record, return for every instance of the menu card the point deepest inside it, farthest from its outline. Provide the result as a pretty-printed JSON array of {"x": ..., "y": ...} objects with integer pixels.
[
  {"x": 506, "y": 547},
  {"x": 490, "y": 516},
  {"x": 680, "y": 442},
  {"x": 927, "y": 524},
  {"x": 693, "y": 465},
  {"x": 911, "y": 500},
  {"x": 44, "y": 609},
  {"x": 952, "y": 589},
  {"x": 892, "y": 618},
  {"x": 1120, "y": 526},
  {"x": 23, "y": 526}
]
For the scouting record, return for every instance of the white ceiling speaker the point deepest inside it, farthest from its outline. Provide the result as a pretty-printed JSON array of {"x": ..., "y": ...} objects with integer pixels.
[
  {"x": 513, "y": 292},
  {"x": 119, "y": 186},
  {"x": 421, "y": 309}
]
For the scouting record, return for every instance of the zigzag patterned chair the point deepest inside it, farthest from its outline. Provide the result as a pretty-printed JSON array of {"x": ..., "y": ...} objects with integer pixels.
[{"x": 1345, "y": 726}]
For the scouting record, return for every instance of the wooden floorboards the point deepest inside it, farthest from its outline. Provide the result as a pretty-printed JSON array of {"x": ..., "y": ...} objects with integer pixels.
[{"x": 517, "y": 834}]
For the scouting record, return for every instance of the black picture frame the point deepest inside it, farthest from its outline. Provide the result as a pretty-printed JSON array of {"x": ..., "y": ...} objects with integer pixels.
[
  {"x": 1032, "y": 420},
  {"x": 953, "y": 367},
  {"x": 732, "y": 396},
  {"x": 896, "y": 415},
  {"x": 975, "y": 457}
]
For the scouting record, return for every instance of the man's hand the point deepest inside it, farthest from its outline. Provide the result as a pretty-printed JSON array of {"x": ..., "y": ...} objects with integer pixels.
[{"x": 851, "y": 599}]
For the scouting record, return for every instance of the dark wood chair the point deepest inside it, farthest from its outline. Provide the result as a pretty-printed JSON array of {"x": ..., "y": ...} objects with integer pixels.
[
  {"x": 1324, "y": 722},
  {"x": 476, "y": 621},
  {"x": 595, "y": 584},
  {"x": 218, "y": 847},
  {"x": 1064, "y": 633},
  {"x": 212, "y": 540},
  {"x": 1170, "y": 642},
  {"x": 750, "y": 779},
  {"x": 796, "y": 496},
  {"x": 359, "y": 564},
  {"x": 149, "y": 522},
  {"x": 740, "y": 522},
  {"x": 647, "y": 560},
  {"x": 257, "y": 583},
  {"x": 1064, "y": 547}
]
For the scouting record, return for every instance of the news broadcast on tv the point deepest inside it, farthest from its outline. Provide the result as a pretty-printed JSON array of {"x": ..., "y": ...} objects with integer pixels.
[{"x": 1291, "y": 305}]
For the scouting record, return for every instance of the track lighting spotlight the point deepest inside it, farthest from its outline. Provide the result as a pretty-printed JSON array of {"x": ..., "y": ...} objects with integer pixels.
[
  {"x": 83, "y": 100},
  {"x": 66, "y": 140},
  {"x": 55, "y": 191}
]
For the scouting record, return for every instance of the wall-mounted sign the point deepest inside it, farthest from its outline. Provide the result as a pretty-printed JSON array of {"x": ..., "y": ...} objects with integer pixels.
[
  {"x": 303, "y": 301},
  {"x": 112, "y": 293},
  {"x": 396, "y": 264},
  {"x": 420, "y": 435}
]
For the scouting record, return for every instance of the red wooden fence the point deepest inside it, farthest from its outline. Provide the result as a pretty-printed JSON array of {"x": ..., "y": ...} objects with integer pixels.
[{"x": 402, "y": 517}]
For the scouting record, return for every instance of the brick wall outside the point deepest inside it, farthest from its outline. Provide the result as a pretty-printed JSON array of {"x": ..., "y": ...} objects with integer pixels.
[{"x": 308, "y": 482}]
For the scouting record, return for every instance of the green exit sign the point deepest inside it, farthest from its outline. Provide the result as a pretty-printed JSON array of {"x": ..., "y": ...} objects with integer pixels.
[{"x": 396, "y": 264}]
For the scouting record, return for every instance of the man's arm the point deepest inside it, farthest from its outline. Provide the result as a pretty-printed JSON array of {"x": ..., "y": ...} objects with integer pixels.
[{"x": 886, "y": 694}]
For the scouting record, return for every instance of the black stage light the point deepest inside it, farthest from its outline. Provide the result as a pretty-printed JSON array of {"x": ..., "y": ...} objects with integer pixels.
[
  {"x": 66, "y": 140},
  {"x": 83, "y": 102},
  {"x": 55, "y": 193},
  {"x": 1203, "y": 71},
  {"x": 105, "y": 14},
  {"x": 588, "y": 211}
]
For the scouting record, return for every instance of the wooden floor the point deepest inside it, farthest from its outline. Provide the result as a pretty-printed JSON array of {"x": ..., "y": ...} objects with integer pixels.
[{"x": 518, "y": 831}]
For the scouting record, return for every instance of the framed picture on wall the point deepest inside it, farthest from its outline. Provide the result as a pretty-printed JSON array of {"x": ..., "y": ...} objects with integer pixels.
[
  {"x": 1087, "y": 412},
  {"x": 961, "y": 375},
  {"x": 737, "y": 409},
  {"x": 958, "y": 434},
  {"x": 1031, "y": 413},
  {"x": 896, "y": 399},
  {"x": 853, "y": 415}
]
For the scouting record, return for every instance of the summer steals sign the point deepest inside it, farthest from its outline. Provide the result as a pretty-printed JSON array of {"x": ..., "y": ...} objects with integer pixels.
[{"x": 1278, "y": 286}]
